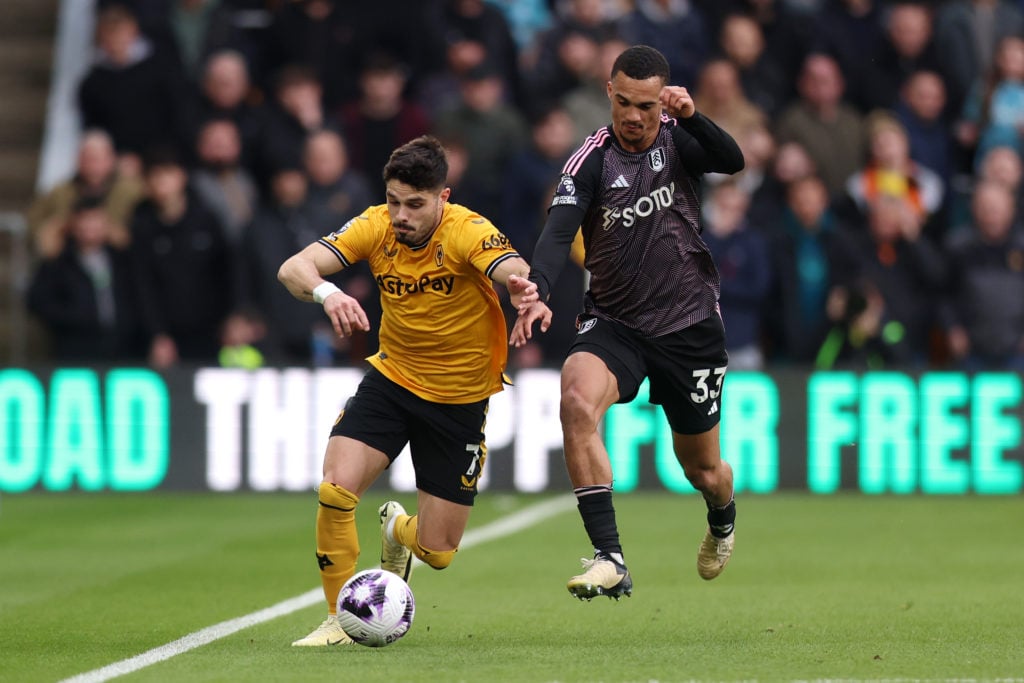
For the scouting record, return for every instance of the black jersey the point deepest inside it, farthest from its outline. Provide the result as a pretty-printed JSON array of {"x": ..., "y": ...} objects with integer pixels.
[{"x": 640, "y": 218}]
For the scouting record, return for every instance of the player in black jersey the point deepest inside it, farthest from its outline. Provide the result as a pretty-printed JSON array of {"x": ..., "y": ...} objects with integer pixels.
[{"x": 633, "y": 189}]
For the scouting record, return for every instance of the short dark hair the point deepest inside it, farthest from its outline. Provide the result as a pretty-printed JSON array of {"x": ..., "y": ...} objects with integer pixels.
[
  {"x": 86, "y": 203},
  {"x": 161, "y": 155},
  {"x": 641, "y": 62},
  {"x": 420, "y": 164}
]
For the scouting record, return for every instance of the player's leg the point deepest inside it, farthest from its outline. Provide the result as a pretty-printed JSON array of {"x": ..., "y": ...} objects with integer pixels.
[
  {"x": 687, "y": 370},
  {"x": 433, "y": 534},
  {"x": 589, "y": 388},
  {"x": 448, "y": 454},
  {"x": 368, "y": 434},
  {"x": 700, "y": 456},
  {"x": 350, "y": 467}
]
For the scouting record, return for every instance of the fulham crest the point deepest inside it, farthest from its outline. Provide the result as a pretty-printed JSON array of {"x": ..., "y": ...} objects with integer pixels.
[{"x": 657, "y": 159}]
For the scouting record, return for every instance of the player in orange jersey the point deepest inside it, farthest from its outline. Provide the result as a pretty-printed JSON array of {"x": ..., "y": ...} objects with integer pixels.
[{"x": 443, "y": 349}]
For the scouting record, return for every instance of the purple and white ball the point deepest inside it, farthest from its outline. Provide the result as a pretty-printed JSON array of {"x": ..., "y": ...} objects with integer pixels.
[{"x": 375, "y": 607}]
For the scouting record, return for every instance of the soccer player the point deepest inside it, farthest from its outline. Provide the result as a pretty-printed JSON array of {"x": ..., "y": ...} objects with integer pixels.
[
  {"x": 442, "y": 355},
  {"x": 633, "y": 189}
]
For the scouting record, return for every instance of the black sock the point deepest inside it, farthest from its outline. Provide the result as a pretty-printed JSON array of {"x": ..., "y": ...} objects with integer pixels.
[
  {"x": 595, "y": 505},
  {"x": 721, "y": 520}
]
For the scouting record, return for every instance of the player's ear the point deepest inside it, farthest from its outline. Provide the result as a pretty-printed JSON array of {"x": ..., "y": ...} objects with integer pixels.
[{"x": 445, "y": 194}]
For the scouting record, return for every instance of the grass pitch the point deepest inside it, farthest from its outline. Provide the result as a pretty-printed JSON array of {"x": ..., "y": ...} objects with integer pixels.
[{"x": 843, "y": 587}]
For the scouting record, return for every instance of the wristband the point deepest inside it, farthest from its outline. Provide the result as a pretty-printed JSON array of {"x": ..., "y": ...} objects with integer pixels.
[{"x": 324, "y": 290}]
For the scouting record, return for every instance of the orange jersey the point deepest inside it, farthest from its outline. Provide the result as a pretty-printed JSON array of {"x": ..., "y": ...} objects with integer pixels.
[{"x": 442, "y": 331}]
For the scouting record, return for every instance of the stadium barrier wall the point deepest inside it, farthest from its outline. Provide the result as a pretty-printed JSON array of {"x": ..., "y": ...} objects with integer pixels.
[{"x": 216, "y": 429}]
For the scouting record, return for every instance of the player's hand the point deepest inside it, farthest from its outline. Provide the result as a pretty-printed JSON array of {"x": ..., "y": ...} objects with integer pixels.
[
  {"x": 345, "y": 314},
  {"x": 676, "y": 101},
  {"x": 522, "y": 330},
  {"x": 521, "y": 291}
]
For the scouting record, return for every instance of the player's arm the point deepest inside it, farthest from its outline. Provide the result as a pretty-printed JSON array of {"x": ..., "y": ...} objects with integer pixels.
[
  {"x": 303, "y": 276},
  {"x": 702, "y": 145},
  {"x": 512, "y": 273},
  {"x": 554, "y": 246},
  {"x": 552, "y": 250}
]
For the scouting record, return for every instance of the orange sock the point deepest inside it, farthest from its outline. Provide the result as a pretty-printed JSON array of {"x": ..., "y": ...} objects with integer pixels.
[
  {"x": 406, "y": 534},
  {"x": 337, "y": 541}
]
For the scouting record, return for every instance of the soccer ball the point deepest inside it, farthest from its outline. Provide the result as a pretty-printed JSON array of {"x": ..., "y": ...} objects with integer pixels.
[{"x": 375, "y": 607}]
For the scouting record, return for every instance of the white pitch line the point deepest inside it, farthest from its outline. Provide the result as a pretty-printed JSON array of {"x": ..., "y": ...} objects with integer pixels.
[{"x": 504, "y": 526}]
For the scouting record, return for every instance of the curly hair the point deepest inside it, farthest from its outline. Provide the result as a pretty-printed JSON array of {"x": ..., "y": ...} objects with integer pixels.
[
  {"x": 420, "y": 164},
  {"x": 641, "y": 62}
]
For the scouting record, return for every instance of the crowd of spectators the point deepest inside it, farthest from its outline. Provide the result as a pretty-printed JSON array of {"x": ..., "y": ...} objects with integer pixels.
[{"x": 876, "y": 223}]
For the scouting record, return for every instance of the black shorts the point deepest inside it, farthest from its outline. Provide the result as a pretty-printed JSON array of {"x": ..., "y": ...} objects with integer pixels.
[
  {"x": 685, "y": 368},
  {"x": 446, "y": 440}
]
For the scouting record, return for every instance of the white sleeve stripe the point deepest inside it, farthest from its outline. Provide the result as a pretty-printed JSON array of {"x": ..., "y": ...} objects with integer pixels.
[
  {"x": 497, "y": 261},
  {"x": 337, "y": 252}
]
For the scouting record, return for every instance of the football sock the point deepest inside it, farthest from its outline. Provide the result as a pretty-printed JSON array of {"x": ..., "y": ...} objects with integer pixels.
[
  {"x": 404, "y": 531},
  {"x": 337, "y": 543},
  {"x": 595, "y": 506},
  {"x": 721, "y": 520}
]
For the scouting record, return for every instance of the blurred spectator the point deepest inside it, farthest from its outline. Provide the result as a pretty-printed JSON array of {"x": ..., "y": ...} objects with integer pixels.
[
  {"x": 337, "y": 192},
  {"x": 787, "y": 32},
  {"x": 1001, "y": 165},
  {"x": 849, "y": 30},
  {"x": 226, "y": 92},
  {"x": 891, "y": 172},
  {"x": 526, "y": 19},
  {"x": 1004, "y": 165},
  {"x": 984, "y": 316},
  {"x": 458, "y": 160},
  {"x": 810, "y": 256},
  {"x": 382, "y": 119},
  {"x": 744, "y": 263},
  {"x": 676, "y": 28},
  {"x": 243, "y": 337},
  {"x": 718, "y": 96},
  {"x": 220, "y": 181},
  {"x": 758, "y": 147},
  {"x": 567, "y": 51},
  {"x": 192, "y": 30},
  {"x": 97, "y": 178},
  {"x": 329, "y": 37},
  {"x": 587, "y": 103},
  {"x": 966, "y": 35},
  {"x": 907, "y": 48},
  {"x": 610, "y": 9},
  {"x": 296, "y": 112},
  {"x": 131, "y": 92},
  {"x": 920, "y": 109},
  {"x": 764, "y": 81},
  {"x": 892, "y": 305},
  {"x": 183, "y": 266},
  {"x": 283, "y": 225},
  {"x": 492, "y": 132},
  {"x": 529, "y": 185},
  {"x": 85, "y": 295},
  {"x": 994, "y": 110},
  {"x": 474, "y": 32},
  {"x": 789, "y": 163},
  {"x": 531, "y": 176},
  {"x": 831, "y": 131}
]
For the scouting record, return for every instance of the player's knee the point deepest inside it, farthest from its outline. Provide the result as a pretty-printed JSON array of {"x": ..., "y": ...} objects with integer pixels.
[
  {"x": 702, "y": 477},
  {"x": 576, "y": 413},
  {"x": 438, "y": 559}
]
